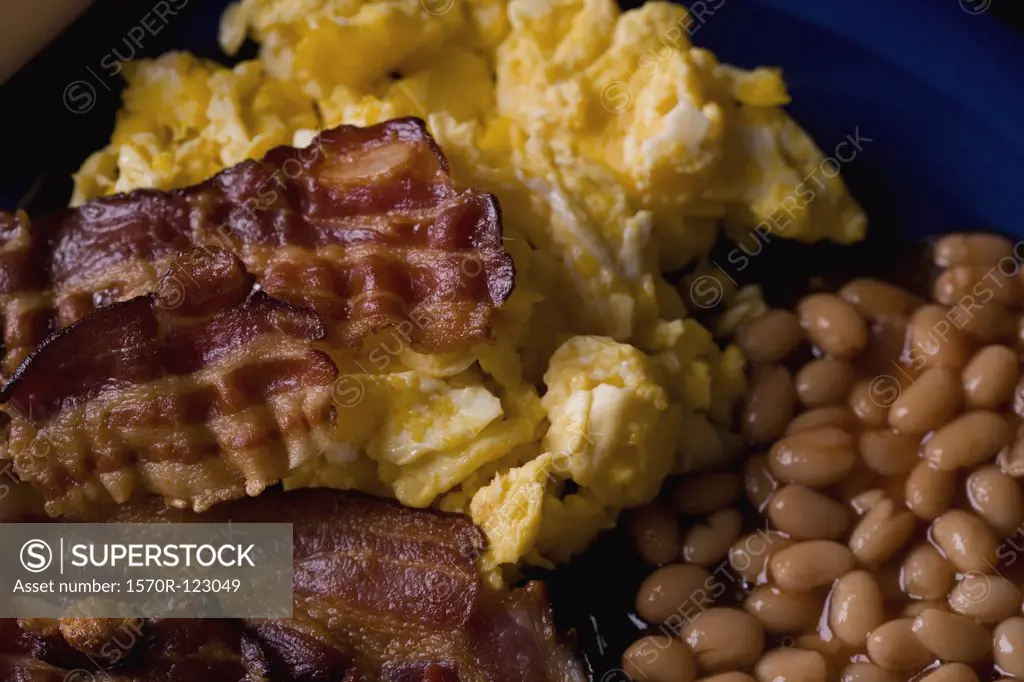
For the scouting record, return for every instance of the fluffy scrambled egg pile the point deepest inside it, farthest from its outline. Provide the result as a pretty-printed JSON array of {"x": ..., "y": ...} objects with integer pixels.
[{"x": 617, "y": 149}]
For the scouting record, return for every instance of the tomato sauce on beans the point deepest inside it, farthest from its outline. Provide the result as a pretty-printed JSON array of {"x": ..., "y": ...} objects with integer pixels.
[{"x": 874, "y": 532}]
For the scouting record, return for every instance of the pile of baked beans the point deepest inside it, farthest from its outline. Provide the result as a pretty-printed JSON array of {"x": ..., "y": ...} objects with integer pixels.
[{"x": 874, "y": 534}]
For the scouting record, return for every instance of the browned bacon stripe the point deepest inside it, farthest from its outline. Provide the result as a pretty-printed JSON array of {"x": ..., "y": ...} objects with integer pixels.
[
  {"x": 201, "y": 392},
  {"x": 166, "y": 357},
  {"x": 339, "y": 632},
  {"x": 365, "y": 226}
]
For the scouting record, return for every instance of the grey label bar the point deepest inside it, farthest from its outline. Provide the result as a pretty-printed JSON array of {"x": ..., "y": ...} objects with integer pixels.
[{"x": 146, "y": 570}]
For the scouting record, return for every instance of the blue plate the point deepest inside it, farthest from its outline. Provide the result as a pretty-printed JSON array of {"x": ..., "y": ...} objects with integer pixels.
[{"x": 936, "y": 85}]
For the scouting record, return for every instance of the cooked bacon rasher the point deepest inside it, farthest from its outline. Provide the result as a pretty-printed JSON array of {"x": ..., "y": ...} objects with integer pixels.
[
  {"x": 202, "y": 392},
  {"x": 171, "y": 374},
  {"x": 381, "y": 593},
  {"x": 364, "y": 226}
]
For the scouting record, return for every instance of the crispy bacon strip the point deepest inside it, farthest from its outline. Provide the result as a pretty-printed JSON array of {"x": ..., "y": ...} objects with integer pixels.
[
  {"x": 364, "y": 226},
  {"x": 202, "y": 392},
  {"x": 403, "y": 602}
]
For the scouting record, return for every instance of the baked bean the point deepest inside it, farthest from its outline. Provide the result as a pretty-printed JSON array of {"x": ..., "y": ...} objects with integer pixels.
[
  {"x": 769, "y": 404},
  {"x": 655, "y": 533},
  {"x": 704, "y": 493},
  {"x": 831, "y": 649},
  {"x": 985, "y": 598},
  {"x": 855, "y": 608},
  {"x": 968, "y": 440},
  {"x": 968, "y": 543},
  {"x": 833, "y": 325},
  {"x": 864, "y": 501},
  {"x": 1008, "y": 647},
  {"x": 825, "y": 381},
  {"x": 708, "y": 544},
  {"x": 867, "y": 672},
  {"x": 934, "y": 341},
  {"x": 971, "y": 249},
  {"x": 889, "y": 452},
  {"x": 916, "y": 608},
  {"x": 955, "y": 283},
  {"x": 810, "y": 564},
  {"x": 806, "y": 514},
  {"x": 870, "y": 403},
  {"x": 989, "y": 323},
  {"x": 769, "y": 337},
  {"x": 672, "y": 589},
  {"x": 729, "y": 677},
  {"x": 791, "y": 665},
  {"x": 758, "y": 482},
  {"x": 996, "y": 497},
  {"x": 928, "y": 403},
  {"x": 873, "y": 298},
  {"x": 820, "y": 496},
  {"x": 1011, "y": 458},
  {"x": 839, "y": 416},
  {"x": 881, "y": 533},
  {"x": 952, "y": 637},
  {"x": 659, "y": 659},
  {"x": 724, "y": 639},
  {"x": 950, "y": 672},
  {"x": 926, "y": 574},
  {"x": 814, "y": 458},
  {"x": 989, "y": 377},
  {"x": 749, "y": 555},
  {"x": 781, "y": 612},
  {"x": 928, "y": 491},
  {"x": 894, "y": 646}
]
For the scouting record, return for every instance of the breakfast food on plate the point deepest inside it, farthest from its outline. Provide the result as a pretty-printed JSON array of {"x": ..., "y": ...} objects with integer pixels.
[
  {"x": 363, "y": 226},
  {"x": 273, "y": 275},
  {"x": 886, "y": 493},
  {"x": 365, "y": 234},
  {"x": 618, "y": 151},
  {"x": 200, "y": 394},
  {"x": 381, "y": 593}
]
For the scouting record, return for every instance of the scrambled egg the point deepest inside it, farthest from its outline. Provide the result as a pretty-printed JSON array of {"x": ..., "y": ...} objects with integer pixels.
[{"x": 618, "y": 151}]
